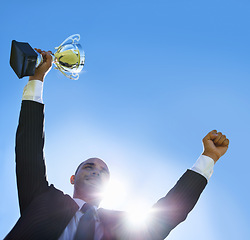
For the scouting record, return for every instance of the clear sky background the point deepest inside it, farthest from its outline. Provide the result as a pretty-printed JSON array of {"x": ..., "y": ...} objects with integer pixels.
[{"x": 158, "y": 76}]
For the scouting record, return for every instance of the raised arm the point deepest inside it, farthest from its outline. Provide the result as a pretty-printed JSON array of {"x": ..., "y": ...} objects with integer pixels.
[
  {"x": 172, "y": 209},
  {"x": 30, "y": 165}
]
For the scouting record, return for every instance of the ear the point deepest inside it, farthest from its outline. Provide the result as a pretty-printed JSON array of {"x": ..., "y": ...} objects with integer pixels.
[{"x": 72, "y": 179}]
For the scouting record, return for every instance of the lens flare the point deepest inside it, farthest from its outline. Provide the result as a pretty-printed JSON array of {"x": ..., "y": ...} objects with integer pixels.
[
  {"x": 114, "y": 195},
  {"x": 138, "y": 214}
]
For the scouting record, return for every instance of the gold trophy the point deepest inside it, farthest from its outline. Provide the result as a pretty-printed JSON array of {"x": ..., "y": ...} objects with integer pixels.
[{"x": 69, "y": 58}]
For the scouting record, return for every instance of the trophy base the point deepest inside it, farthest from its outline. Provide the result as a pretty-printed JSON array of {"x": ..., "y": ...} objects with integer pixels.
[{"x": 23, "y": 59}]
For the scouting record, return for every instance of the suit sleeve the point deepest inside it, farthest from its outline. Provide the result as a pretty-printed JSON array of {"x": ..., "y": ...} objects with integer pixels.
[
  {"x": 165, "y": 215},
  {"x": 30, "y": 165},
  {"x": 172, "y": 209}
]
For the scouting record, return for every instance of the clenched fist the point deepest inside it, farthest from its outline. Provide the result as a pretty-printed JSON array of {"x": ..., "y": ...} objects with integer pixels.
[{"x": 215, "y": 145}]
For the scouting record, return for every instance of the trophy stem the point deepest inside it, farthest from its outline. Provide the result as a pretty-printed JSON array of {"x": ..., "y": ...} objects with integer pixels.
[{"x": 39, "y": 59}]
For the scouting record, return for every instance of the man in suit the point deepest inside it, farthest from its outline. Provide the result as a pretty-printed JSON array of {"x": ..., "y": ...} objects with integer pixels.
[{"x": 47, "y": 213}]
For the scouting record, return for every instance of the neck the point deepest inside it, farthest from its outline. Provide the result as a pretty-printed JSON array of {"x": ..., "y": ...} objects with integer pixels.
[{"x": 87, "y": 198}]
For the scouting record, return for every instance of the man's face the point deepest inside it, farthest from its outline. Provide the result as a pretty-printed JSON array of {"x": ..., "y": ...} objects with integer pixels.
[{"x": 92, "y": 174}]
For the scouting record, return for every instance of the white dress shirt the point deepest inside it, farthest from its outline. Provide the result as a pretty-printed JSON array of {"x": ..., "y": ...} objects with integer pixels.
[{"x": 34, "y": 91}]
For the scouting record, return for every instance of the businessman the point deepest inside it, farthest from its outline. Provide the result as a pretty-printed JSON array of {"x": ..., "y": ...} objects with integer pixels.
[{"x": 47, "y": 213}]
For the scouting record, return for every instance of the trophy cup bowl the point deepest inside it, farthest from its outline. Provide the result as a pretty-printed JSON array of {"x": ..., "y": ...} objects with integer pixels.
[{"x": 69, "y": 58}]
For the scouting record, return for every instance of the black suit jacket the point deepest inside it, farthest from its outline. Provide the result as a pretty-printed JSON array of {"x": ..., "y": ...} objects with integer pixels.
[{"x": 46, "y": 211}]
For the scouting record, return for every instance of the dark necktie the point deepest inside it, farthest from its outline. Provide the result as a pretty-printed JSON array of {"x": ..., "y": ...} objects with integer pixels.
[{"x": 86, "y": 226}]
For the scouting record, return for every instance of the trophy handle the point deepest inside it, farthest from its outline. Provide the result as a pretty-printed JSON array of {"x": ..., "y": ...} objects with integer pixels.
[
  {"x": 39, "y": 59},
  {"x": 73, "y": 76},
  {"x": 74, "y": 38}
]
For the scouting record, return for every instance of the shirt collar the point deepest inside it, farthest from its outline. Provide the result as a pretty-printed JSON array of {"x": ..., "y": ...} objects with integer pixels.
[{"x": 81, "y": 202}]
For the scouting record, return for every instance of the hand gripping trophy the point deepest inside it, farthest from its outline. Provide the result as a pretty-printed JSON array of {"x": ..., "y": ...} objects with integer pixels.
[{"x": 69, "y": 58}]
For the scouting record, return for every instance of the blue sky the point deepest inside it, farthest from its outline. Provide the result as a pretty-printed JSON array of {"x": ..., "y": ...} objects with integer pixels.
[{"x": 158, "y": 76}]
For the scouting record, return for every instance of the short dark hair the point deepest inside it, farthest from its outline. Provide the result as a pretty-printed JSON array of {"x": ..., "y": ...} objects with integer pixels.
[{"x": 79, "y": 167}]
